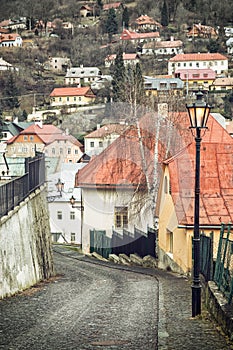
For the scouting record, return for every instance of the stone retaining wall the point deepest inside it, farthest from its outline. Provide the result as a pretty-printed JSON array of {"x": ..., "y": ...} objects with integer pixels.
[{"x": 25, "y": 245}]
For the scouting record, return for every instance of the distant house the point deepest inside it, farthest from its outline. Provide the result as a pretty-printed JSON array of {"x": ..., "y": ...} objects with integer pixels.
[
  {"x": 163, "y": 47},
  {"x": 33, "y": 138},
  {"x": 58, "y": 64},
  {"x": 202, "y": 31},
  {"x": 9, "y": 40},
  {"x": 65, "y": 147},
  {"x": 82, "y": 75},
  {"x": 222, "y": 84},
  {"x": 229, "y": 44},
  {"x": 158, "y": 86},
  {"x": 145, "y": 23},
  {"x": 47, "y": 139},
  {"x": 135, "y": 37},
  {"x": 14, "y": 25},
  {"x": 215, "y": 61},
  {"x": 128, "y": 58},
  {"x": 68, "y": 96},
  {"x": 195, "y": 79},
  {"x": 96, "y": 141},
  {"x": 86, "y": 11},
  {"x": 100, "y": 83},
  {"x": 118, "y": 6},
  {"x": 4, "y": 65}
]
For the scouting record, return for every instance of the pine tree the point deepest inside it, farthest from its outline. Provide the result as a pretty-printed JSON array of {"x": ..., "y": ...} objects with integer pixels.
[
  {"x": 164, "y": 15},
  {"x": 125, "y": 18},
  {"x": 111, "y": 25},
  {"x": 11, "y": 93},
  {"x": 118, "y": 77}
]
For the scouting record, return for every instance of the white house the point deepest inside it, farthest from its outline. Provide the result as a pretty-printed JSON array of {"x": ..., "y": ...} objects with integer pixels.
[
  {"x": 82, "y": 75},
  {"x": 163, "y": 47},
  {"x": 96, "y": 141},
  {"x": 65, "y": 221},
  {"x": 12, "y": 39},
  {"x": 215, "y": 61}
]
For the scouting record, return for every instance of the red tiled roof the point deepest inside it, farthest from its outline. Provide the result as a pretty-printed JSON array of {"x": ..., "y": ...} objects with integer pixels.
[
  {"x": 198, "y": 57},
  {"x": 107, "y": 130},
  {"x": 126, "y": 56},
  {"x": 216, "y": 190},
  {"x": 9, "y": 37},
  {"x": 72, "y": 91},
  {"x": 121, "y": 164},
  {"x": 113, "y": 5},
  {"x": 144, "y": 19},
  {"x": 47, "y": 133},
  {"x": 165, "y": 44},
  {"x": 130, "y": 35}
]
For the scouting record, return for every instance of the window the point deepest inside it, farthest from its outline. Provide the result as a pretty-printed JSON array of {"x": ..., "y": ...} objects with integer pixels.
[
  {"x": 80, "y": 98},
  {"x": 205, "y": 75},
  {"x": 67, "y": 98},
  {"x": 74, "y": 98},
  {"x": 25, "y": 138},
  {"x": 92, "y": 144},
  {"x": 173, "y": 85},
  {"x": 170, "y": 242},
  {"x": 72, "y": 237},
  {"x": 59, "y": 215},
  {"x": 69, "y": 150},
  {"x": 72, "y": 215},
  {"x": 76, "y": 151},
  {"x": 165, "y": 185},
  {"x": 31, "y": 138},
  {"x": 121, "y": 217},
  {"x": 60, "y": 99},
  {"x": 53, "y": 150},
  {"x": 195, "y": 76},
  {"x": 100, "y": 144},
  {"x": 61, "y": 150},
  {"x": 163, "y": 85}
]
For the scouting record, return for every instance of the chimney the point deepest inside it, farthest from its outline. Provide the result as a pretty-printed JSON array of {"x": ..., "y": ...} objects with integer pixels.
[{"x": 39, "y": 123}]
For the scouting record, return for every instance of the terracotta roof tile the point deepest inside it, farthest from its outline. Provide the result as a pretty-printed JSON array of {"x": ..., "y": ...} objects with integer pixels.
[
  {"x": 107, "y": 130},
  {"x": 216, "y": 187},
  {"x": 72, "y": 91},
  {"x": 198, "y": 57}
]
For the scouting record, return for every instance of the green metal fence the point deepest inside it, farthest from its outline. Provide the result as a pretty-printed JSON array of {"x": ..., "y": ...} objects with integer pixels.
[
  {"x": 223, "y": 275},
  {"x": 206, "y": 256},
  {"x": 100, "y": 243}
]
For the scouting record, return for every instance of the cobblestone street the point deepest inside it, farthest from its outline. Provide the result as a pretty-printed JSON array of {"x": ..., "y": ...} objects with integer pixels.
[{"x": 86, "y": 307}]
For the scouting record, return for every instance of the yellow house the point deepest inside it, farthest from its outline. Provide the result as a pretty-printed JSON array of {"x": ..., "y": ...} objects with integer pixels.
[
  {"x": 72, "y": 96},
  {"x": 176, "y": 200}
]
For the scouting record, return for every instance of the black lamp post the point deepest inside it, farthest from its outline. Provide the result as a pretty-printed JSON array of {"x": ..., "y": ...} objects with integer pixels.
[
  {"x": 198, "y": 115},
  {"x": 60, "y": 186}
]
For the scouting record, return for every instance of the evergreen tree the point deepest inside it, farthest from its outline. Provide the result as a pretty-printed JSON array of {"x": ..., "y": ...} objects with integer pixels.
[
  {"x": 111, "y": 25},
  {"x": 125, "y": 18},
  {"x": 118, "y": 73},
  {"x": 11, "y": 93},
  {"x": 164, "y": 15}
]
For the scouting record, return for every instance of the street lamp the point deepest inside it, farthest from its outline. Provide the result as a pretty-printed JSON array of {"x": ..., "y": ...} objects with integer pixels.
[
  {"x": 60, "y": 186},
  {"x": 198, "y": 114},
  {"x": 72, "y": 202}
]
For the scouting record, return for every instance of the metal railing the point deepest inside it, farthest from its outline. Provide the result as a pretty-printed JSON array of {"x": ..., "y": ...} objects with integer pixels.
[
  {"x": 16, "y": 190},
  {"x": 223, "y": 275}
]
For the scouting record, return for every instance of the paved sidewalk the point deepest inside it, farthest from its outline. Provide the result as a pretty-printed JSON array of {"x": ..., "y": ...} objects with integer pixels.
[{"x": 177, "y": 330}]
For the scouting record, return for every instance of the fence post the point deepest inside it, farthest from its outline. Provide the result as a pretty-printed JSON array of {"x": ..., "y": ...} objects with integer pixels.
[{"x": 218, "y": 261}]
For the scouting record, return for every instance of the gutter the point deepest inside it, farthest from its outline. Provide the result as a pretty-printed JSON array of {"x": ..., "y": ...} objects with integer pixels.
[{"x": 200, "y": 226}]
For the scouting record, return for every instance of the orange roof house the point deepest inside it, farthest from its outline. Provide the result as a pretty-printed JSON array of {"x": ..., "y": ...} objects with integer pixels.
[
  {"x": 145, "y": 22},
  {"x": 135, "y": 37},
  {"x": 113, "y": 5},
  {"x": 128, "y": 58},
  {"x": 11, "y": 39},
  {"x": 215, "y": 61},
  {"x": 176, "y": 206},
  {"x": 47, "y": 139},
  {"x": 202, "y": 31},
  {"x": 72, "y": 96}
]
